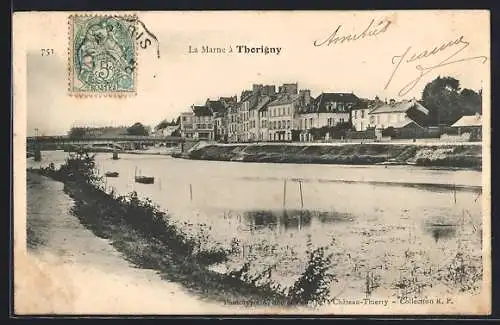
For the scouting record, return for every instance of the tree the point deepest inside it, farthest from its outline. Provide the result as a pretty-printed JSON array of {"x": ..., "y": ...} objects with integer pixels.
[
  {"x": 163, "y": 124},
  {"x": 77, "y": 132},
  {"x": 137, "y": 129},
  {"x": 447, "y": 102}
]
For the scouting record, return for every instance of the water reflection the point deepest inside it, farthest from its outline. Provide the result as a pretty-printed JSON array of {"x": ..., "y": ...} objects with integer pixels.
[
  {"x": 290, "y": 219},
  {"x": 440, "y": 231}
]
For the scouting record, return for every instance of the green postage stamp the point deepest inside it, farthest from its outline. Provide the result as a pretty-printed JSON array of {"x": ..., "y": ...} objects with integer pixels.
[{"x": 102, "y": 55}]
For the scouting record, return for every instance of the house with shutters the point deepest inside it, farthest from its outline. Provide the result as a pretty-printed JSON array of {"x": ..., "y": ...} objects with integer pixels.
[
  {"x": 327, "y": 110},
  {"x": 283, "y": 111}
]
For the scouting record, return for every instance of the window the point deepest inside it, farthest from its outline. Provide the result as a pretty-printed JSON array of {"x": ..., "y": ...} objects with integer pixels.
[
  {"x": 310, "y": 122},
  {"x": 288, "y": 124},
  {"x": 355, "y": 114},
  {"x": 279, "y": 124},
  {"x": 341, "y": 107},
  {"x": 362, "y": 113}
]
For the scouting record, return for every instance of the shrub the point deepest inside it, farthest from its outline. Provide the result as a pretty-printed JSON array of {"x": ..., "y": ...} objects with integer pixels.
[{"x": 313, "y": 285}]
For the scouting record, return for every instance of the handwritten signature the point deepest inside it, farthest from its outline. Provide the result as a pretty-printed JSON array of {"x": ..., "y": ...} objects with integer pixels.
[
  {"x": 424, "y": 70},
  {"x": 370, "y": 31}
]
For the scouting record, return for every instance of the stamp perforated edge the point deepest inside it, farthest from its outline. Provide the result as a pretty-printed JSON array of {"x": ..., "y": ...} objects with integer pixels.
[{"x": 114, "y": 94}]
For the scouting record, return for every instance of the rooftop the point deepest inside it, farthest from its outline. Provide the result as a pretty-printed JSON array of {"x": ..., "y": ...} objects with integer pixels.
[
  {"x": 319, "y": 104},
  {"x": 201, "y": 111},
  {"x": 337, "y": 97},
  {"x": 284, "y": 99},
  {"x": 399, "y": 107},
  {"x": 216, "y": 106},
  {"x": 404, "y": 123},
  {"x": 469, "y": 120},
  {"x": 262, "y": 104}
]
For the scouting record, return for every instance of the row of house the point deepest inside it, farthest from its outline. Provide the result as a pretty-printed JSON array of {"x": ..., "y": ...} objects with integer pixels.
[
  {"x": 288, "y": 113},
  {"x": 266, "y": 114}
]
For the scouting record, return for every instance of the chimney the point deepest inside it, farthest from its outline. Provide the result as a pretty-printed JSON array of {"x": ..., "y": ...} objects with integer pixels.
[
  {"x": 256, "y": 88},
  {"x": 269, "y": 90},
  {"x": 290, "y": 89},
  {"x": 305, "y": 95}
]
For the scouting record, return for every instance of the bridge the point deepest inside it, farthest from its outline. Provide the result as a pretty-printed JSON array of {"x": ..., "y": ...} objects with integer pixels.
[{"x": 121, "y": 141}]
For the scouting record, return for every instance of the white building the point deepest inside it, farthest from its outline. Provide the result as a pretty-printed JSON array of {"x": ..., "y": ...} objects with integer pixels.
[{"x": 394, "y": 114}]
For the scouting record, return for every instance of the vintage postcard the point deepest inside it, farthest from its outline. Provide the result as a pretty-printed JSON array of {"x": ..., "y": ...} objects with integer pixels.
[{"x": 259, "y": 162}]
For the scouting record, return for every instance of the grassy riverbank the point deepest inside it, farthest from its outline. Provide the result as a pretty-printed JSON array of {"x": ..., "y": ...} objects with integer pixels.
[{"x": 460, "y": 156}]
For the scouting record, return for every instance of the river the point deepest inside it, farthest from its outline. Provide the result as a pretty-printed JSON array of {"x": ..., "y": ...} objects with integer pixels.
[{"x": 373, "y": 215}]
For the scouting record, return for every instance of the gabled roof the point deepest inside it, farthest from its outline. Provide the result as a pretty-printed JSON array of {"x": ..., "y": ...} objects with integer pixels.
[
  {"x": 228, "y": 100},
  {"x": 318, "y": 105},
  {"x": 405, "y": 123},
  {"x": 469, "y": 120},
  {"x": 337, "y": 97},
  {"x": 202, "y": 111},
  {"x": 365, "y": 103},
  {"x": 245, "y": 94},
  {"x": 399, "y": 107},
  {"x": 262, "y": 104},
  {"x": 284, "y": 99},
  {"x": 216, "y": 106}
]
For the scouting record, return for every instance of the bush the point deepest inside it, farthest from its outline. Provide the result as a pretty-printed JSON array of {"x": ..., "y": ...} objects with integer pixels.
[{"x": 313, "y": 285}]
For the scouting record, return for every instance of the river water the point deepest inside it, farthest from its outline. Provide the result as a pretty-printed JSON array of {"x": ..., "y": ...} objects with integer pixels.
[{"x": 371, "y": 216}]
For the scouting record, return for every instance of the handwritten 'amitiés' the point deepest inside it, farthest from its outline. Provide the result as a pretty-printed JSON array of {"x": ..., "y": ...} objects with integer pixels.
[{"x": 372, "y": 30}]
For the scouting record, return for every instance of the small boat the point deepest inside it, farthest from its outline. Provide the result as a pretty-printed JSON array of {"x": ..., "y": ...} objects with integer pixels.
[
  {"x": 111, "y": 174},
  {"x": 144, "y": 179}
]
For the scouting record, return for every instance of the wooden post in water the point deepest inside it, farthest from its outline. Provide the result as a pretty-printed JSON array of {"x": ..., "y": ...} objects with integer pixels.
[
  {"x": 191, "y": 191},
  {"x": 301, "y": 197},
  {"x": 284, "y": 194},
  {"x": 38, "y": 149}
]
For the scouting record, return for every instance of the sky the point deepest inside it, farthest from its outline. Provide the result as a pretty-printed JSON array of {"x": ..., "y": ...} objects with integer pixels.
[{"x": 168, "y": 85}]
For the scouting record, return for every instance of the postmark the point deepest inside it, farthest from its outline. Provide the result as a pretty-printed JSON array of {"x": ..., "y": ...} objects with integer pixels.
[{"x": 102, "y": 55}]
